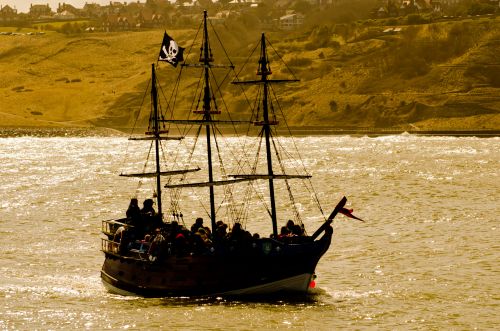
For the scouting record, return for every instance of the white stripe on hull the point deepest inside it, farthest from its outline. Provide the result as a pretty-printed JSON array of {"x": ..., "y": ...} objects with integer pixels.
[
  {"x": 298, "y": 283},
  {"x": 116, "y": 290}
]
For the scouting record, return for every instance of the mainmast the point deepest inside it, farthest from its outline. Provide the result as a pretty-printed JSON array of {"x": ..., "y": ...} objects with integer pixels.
[
  {"x": 205, "y": 61},
  {"x": 206, "y": 58},
  {"x": 156, "y": 133}
]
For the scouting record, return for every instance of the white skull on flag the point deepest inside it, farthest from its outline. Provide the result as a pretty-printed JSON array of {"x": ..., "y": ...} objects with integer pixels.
[{"x": 171, "y": 53}]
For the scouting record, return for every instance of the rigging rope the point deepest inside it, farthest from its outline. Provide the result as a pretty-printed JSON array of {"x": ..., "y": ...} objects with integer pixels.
[
  {"x": 289, "y": 189},
  {"x": 134, "y": 126},
  {"x": 310, "y": 187},
  {"x": 281, "y": 59}
]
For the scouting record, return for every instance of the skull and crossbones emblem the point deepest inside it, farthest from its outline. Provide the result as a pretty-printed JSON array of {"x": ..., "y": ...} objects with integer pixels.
[{"x": 171, "y": 52}]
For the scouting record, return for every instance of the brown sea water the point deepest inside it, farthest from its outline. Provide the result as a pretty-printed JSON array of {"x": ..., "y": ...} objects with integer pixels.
[{"x": 427, "y": 257}]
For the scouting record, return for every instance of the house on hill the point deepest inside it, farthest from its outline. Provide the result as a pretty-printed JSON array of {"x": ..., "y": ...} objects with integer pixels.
[
  {"x": 67, "y": 8},
  {"x": 117, "y": 22},
  {"x": 126, "y": 21},
  {"x": 415, "y": 6},
  {"x": 92, "y": 10},
  {"x": 382, "y": 12},
  {"x": 157, "y": 20},
  {"x": 114, "y": 8},
  {"x": 437, "y": 6},
  {"x": 40, "y": 11},
  {"x": 394, "y": 8},
  {"x": 386, "y": 9},
  {"x": 65, "y": 15},
  {"x": 291, "y": 21},
  {"x": 7, "y": 14},
  {"x": 408, "y": 7}
]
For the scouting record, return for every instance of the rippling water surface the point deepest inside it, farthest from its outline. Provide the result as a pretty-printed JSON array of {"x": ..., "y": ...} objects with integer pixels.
[{"x": 427, "y": 258}]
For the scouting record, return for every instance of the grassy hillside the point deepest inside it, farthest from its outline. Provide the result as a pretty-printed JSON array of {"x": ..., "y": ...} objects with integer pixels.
[{"x": 434, "y": 76}]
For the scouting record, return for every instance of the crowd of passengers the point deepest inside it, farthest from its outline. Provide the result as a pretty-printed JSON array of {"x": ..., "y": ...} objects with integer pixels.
[{"x": 146, "y": 229}]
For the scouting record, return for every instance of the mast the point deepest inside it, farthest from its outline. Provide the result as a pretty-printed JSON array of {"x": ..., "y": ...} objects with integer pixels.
[
  {"x": 207, "y": 121},
  {"x": 156, "y": 133},
  {"x": 206, "y": 59},
  {"x": 264, "y": 71}
]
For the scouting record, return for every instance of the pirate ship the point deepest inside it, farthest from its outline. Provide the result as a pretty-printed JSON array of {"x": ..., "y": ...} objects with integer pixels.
[{"x": 174, "y": 261}]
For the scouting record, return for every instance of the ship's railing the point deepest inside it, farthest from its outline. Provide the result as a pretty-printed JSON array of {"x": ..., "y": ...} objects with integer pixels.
[
  {"x": 109, "y": 246},
  {"x": 109, "y": 227},
  {"x": 137, "y": 250}
]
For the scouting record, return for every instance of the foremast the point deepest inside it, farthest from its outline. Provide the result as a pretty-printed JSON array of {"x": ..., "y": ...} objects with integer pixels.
[{"x": 264, "y": 71}]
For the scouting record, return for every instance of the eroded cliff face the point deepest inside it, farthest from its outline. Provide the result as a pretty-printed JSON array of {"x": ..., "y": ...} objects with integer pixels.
[
  {"x": 433, "y": 76},
  {"x": 429, "y": 76}
]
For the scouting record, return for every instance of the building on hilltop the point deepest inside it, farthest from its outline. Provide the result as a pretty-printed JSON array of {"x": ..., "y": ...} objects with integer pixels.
[
  {"x": 395, "y": 8},
  {"x": 146, "y": 18},
  {"x": 291, "y": 20},
  {"x": 65, "y": 15},
  {"x": 117, "y": 22},
  {"x": 7, "y": 14},
  {"x": 66, "y": 7},
  {"x": 40, "y": 11},
  {"x": 92, "y": 10}
]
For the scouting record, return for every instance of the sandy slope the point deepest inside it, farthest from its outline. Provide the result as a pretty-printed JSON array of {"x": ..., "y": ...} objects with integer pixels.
[{"x": 99, "y": 79}]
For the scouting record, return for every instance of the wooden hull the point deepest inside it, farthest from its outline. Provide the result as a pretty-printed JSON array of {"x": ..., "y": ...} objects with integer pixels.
[{"x": 267, "y": 267}]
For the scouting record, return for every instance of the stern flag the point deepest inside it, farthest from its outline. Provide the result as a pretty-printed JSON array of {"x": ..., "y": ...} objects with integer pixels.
[
  {"x": 170, "y": 52},
  {"x": 348, "y": 213}
]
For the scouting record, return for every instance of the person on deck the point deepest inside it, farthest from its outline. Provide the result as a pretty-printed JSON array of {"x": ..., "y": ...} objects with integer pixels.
[
  {"x": 220, "y": 234},
  {"x": 297, "y": 230},
  {"x": 181, "y": 243},
  {"x": 201, "y": 241},
  {"x": 125, "y": 233},
  {"x": 133, "y": 212},
  {"x": 240, "y": 235},
  {"x": 147, "y": 208},
  {"x": 150, "y": 220},
  {"x": 197, "y": 224},
  {"x": 172, "y": 231},
  {"x": 157, "y": 249},
  {"x": 284, "y": 232}
]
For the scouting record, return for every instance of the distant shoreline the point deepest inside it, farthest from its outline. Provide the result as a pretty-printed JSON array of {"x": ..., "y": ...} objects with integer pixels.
[
  {"x": 388, "y": 132},
  {"x": 6, "y": 132}
]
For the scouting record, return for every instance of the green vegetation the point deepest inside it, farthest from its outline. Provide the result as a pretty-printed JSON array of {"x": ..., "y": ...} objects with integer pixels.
[{"x": 442, "y": 75}]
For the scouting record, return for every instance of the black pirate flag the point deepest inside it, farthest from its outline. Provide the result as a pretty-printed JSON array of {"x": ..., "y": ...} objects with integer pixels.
[{"x": 170, "y": 52}]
